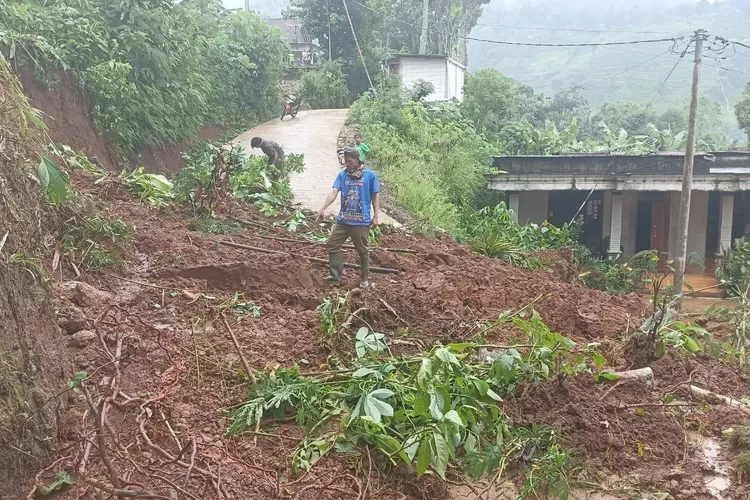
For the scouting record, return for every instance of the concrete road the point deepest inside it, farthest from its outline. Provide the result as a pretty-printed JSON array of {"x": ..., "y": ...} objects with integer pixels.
[{"x": 314, "y": 134}]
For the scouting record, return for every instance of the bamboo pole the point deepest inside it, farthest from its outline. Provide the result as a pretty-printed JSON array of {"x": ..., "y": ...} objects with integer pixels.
[{"x": 374, "y": 269}]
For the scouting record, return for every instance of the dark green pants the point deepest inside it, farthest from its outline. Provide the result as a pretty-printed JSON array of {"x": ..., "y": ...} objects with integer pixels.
[{"x": 339, "y": 235}]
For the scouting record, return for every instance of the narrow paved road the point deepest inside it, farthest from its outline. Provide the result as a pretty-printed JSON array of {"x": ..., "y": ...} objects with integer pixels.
[{"x": 314, "y": 134}]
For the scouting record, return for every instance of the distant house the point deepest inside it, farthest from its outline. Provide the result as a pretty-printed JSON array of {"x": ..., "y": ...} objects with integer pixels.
[
  {"x": 445, "y": 74},
  {"x": 300, "y": 42},
  {"x": 630, "y": 203}
]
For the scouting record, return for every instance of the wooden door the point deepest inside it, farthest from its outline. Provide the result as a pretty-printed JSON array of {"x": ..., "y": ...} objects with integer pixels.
[{"x": 660, "y": 225}]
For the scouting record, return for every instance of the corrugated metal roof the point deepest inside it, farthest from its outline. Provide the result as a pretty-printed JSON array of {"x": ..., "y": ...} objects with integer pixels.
[{"x": 293, "y": 30}]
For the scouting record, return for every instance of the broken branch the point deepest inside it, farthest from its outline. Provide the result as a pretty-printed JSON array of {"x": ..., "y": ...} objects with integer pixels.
[{"x": 381, "y": 270}]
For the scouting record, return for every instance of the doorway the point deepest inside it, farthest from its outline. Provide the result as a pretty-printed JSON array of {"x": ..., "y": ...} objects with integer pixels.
[
  {"x": 652, "y": 229},
  {"x": 660, "y": 225}
]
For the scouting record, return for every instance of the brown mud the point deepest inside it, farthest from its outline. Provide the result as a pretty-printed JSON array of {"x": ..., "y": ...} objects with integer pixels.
[{"x": 160, "y": 308}]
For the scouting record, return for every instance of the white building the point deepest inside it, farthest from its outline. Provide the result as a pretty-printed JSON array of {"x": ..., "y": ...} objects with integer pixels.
[{"x": 445, "y": 74}]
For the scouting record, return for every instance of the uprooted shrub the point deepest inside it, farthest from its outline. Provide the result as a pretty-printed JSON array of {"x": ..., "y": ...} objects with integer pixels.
[
  {"x": 429, "y": 410},
  {"x": 216, "y": 170}
]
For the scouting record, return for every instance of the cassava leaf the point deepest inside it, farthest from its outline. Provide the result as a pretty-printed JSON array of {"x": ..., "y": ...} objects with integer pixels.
[
  {"x": 453, "y": 417},
  {"x": 439, "y": 399},
  {"x": 424, "y": 456},
  {"x": 442, "y": 454}
]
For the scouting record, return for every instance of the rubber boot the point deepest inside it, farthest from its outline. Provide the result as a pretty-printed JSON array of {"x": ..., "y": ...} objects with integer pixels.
[
  {"x": 364, "y": 263},
  {"x": 335, "y": 266}
]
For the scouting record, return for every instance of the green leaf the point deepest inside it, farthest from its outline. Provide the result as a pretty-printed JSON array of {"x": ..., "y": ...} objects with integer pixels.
[
  {"x": 691, "y": 345},
  {"x": 362, "y": 333},
  {"x": 363, "y": 372},
  {"x": 453, "y": 417},
  {"x": 411, "y": 446},
  {"x": 424, "y": 375},
  {"x": 446, "y": 356},
  {"x": 357, "y": 411},
  {"x": 384, "y": 409},
  {"x": 607, "y": 376},
  {"x": 61, "y": 480},
  {"x": 470, "y": 445},
  {"x": 442, "y": 454},
  {"x": 382, "y": 393},
  {"x": 424, "y": 456},
  {"x": 159, "y": 182},
  {"x": 599, "y": 361},
  {"x": 54, "y": 181},
  {"x": 438, "y": 401},
  {"x": 504, "y": 367},
  {"x": 371, "y": 409},
  {"x": 661, "y": 349},
  {"x": 494, "y": 395}
]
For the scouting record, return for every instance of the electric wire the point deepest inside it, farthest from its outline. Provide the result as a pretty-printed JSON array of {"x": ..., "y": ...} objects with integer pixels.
[{"x": 529, "y": 44}]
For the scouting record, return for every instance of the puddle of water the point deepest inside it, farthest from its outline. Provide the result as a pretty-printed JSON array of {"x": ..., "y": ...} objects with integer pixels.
[{"x": 719, "y": 481}]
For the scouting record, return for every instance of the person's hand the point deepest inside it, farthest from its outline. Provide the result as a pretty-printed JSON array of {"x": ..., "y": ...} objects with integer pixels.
[
  {"x": 321, "y": 215},
  {"x": 375, "y": 221}
]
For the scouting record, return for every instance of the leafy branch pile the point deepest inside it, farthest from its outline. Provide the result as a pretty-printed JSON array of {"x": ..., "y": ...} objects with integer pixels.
[
  {"x": 215, "y": 170},
  {"x": 432, "y": 411}
]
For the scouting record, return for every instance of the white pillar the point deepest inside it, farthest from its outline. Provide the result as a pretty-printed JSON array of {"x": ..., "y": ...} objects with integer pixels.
[
  {"x": 514, "y": 203},
  {"x": 615, "y": 226},
  {"x": 726, "y": 212}
]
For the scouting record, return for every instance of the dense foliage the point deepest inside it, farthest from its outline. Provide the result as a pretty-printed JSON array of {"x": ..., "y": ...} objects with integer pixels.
[
  {"x": 325, "y": 87},
  {"x": 632, "y": 73},
  {"x": 742, "y": 110},
  {"x": 433, "y": 162},
  {"x": 156, "y": 71},
  {"x": 734, "y": 270},
  {"x": 526, "y": 122}
]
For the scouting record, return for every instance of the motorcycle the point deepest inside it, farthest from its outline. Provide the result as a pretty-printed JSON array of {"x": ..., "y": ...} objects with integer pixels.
[{"x": 291, "y": 107}]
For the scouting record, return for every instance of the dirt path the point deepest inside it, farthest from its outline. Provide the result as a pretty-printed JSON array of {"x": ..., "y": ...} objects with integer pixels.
[{"x": 314, "y": 134}]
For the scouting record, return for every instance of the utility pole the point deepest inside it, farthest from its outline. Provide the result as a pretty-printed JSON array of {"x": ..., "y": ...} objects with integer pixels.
[
  {"x": 687, "y": 174},
  {"x": 247, "y": 5},
  {"x": 328, "y": 8},
  {"x": 425, "y": 26},
  {"x": 359, "y": 49}
]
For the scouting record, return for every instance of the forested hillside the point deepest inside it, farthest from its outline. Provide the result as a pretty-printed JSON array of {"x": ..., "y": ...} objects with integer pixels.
[{"x": 632, "y": 73}]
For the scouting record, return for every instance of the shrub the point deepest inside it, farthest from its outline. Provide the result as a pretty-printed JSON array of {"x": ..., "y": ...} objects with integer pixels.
[
  {"x": 434, "y": 167},
  {"x": 325, "y": 87},
  {"x": 155, "y": 71},
  {"x": 734, "y": 270}
]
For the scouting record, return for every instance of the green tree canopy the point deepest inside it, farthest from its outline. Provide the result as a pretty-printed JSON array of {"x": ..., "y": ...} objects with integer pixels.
[
  {"x": 742, "y": 110},
  {"x": 488, "y": 100}
]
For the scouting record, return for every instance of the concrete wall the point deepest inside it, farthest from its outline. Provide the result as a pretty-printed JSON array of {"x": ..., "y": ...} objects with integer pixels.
[
  {"x": 533, "y": 207},
  {"x": 696, "y": 225},
  {"x": 455, "y": 81},
  {"x": 427, "y": 69}
]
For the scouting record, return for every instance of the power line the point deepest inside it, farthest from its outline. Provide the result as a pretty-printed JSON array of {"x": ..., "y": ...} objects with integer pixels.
[
  {"x": 529, "y": 44},
  {"x": 665, "y": 81},
  {"x": 572, "y": 30},
  {"x": 631, "y": 68}
]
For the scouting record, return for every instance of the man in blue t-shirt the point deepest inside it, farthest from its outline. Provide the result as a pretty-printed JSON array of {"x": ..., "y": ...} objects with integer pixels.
[{"x": 359, "y": 193}]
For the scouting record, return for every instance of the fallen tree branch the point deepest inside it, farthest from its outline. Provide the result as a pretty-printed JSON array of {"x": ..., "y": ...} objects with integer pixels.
[
  {"x": 724, "y": 399},
  {"x": 311, "y": 242},
  {"x": 392, "y": 310},
  {"x": 120, "y": 492},
  {"x": 245, "y": 364},
  {"x": 374, "y": 269},
  {"x": 164, "y": 453},
  {"x": 173, "y": 485}
]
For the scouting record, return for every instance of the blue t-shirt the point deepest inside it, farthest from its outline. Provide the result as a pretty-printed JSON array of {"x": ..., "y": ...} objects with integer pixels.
[{"x": 356, "y": 197}]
